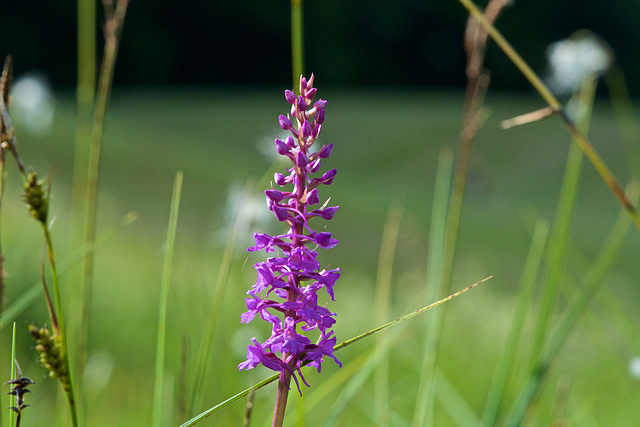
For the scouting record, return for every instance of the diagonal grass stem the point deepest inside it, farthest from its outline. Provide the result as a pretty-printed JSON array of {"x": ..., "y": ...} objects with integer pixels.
[
  {"x": 211, "y": 411},
  {"x": 554, "y": 104}
]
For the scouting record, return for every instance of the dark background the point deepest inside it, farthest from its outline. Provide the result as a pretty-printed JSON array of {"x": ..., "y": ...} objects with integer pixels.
[{"x": 374, "y": 42}]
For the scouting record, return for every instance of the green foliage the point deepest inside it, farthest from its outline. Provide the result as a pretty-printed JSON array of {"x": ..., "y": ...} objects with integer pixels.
[
  {"x": 505, "y": 195},
  {"x": 433, "y": 372}
]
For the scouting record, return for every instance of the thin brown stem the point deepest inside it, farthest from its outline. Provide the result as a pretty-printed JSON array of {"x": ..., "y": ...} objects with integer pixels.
[
  {"x": 114, "y": 20},
  {"x": 551, "y": 100},
  {"x": 47, "y": 296}
]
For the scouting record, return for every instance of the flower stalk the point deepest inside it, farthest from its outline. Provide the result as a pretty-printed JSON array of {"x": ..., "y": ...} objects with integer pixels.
[
  {"x": 37, "y": 198},
  {"x": 294, "y": 274}
]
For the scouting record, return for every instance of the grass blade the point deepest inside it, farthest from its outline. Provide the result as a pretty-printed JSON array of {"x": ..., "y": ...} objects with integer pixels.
[
  {"x": 357, "y": 381},
  {"x": 162, "y": 307},
  {"x": 203, "y": 361},
  {"x": 273, "y": 377},
  {"x": 592, "y": 281},
  {"x": 435, "y": 288},
  {"x": 562, "y": 227},
  {"x": 560, "y": 237},
  {"x": 454, "y": 403},
  {"x": 505, "y": 363},
  {"x": 382, "y": 301},
  {"x": 408, "y": 316},
  {"x": 195, "y": 420},
  {"x": 114, "y": 21}
]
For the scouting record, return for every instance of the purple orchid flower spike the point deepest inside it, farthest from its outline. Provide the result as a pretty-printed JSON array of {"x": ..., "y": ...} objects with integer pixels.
[{"x": 294, "y": 274}]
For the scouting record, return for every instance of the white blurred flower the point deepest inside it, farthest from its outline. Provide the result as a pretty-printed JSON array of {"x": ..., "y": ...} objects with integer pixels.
[
  {"x": 33, "y": 104},
  {"x": 573, "y": 59},
  {"x": 98, "y": 372},
  {"x": 245, "y": 212},
  {"x": 634, "y": 368}
]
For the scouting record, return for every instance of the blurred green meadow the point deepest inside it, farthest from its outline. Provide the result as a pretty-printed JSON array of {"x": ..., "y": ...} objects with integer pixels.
[{"x": 386, "y": 148}]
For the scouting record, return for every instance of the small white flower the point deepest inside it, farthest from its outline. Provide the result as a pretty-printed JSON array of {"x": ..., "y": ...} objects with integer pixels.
[
  {"x": 33, "y": 104},
  {"x": 571, "y": 60},
  {"x": 634, "y": 368}
]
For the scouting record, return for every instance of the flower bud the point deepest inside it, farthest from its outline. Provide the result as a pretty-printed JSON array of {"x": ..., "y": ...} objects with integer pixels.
[
  {"x": 325, "y": 151},
  {"x": 306, "y": 129},
  {"x": 281, "y": 147},
  {"x": 290, "y": 96},
  {"x": 285, "y": 123}
]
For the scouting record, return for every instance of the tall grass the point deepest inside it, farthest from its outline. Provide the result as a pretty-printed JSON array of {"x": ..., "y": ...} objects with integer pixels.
[{"x": 158, "y": 388}]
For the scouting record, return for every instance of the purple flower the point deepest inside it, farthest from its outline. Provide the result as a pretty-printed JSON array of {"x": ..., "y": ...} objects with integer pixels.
[{"x": 294, "y": 274}]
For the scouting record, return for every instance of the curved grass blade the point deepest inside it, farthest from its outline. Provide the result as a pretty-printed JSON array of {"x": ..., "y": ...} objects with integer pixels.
[
  {"x": 408, "y": 316},
  {"x": 273, "y": 377},
  {"x": 229, "y": 401}
]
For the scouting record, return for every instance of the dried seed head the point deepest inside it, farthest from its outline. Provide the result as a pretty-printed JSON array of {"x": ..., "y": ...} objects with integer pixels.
[
  {"x": 36, "y": 196},
  {"x": 51, "y": 356}
]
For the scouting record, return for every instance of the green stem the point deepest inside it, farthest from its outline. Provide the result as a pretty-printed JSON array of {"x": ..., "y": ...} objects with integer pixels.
[
  {"x": 113, "y": 26},
  {"x": 506, "y": 362},
  {"x": 162, "y": 307},
  {"x": 436, "y": 288},
  {"x": 561, "y": 232},
  {"x": 297, "y": 41},
  {"x": 85, "y": 99},
  {"x": 60, "y": 320}
]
